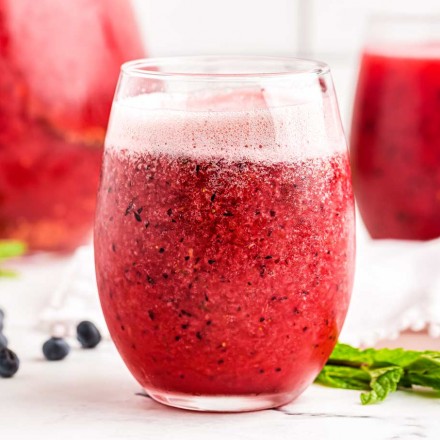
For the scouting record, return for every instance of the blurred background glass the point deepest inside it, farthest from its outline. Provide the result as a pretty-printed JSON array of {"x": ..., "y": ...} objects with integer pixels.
[
  {"x": 395, "y": 134},
  {"x": 59, "y": 63}
]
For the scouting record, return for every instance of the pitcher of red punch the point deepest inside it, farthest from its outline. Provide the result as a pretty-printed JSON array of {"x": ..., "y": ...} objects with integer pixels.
[{"x": 59, "y": 63}]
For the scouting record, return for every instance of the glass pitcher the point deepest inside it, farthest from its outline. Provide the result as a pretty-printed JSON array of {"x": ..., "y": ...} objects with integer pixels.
[{"x": 59, "y": 63}]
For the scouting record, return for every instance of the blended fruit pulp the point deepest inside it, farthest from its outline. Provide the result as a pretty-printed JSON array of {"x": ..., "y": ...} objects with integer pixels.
[
  {"x": 395, "y": 142},
  {"x": 222, "y": 274}
]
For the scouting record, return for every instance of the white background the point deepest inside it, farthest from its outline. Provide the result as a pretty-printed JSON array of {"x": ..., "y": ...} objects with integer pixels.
[{"x": 330, "y": 30}]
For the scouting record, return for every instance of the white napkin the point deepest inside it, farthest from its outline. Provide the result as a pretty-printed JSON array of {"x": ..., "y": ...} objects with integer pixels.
[{"x": 397, "y": 287}]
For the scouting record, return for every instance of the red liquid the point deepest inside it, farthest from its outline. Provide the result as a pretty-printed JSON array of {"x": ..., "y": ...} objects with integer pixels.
[
  {"x": 223, "y": 276},
  {"x": 59, "y": 63},
  {"x": 395, "y": 144}
]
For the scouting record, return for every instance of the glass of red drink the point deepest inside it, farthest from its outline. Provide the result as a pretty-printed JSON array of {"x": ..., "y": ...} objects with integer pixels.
[
  {"x": 224, "y": 235},
  {"x": 395, "y": 134},
  {"x": 59, "y": 63}
]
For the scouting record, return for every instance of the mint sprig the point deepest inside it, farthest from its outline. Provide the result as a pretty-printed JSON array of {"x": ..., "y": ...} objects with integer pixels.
[
  {"x": 10, "y": 249},
  {"x": 380, "y": 372}
]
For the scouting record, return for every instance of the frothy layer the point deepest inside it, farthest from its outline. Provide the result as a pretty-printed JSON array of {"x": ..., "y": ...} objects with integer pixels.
[{"x": 246, "y": 125}]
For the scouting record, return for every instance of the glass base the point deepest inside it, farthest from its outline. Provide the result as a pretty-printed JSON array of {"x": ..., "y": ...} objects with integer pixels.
[{"x": 222, "y": 403}]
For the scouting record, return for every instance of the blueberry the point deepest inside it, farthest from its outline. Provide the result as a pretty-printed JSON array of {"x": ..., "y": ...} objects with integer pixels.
[
  {"x": 3, "y": 341},
  {"x": 88, "y": 335},
  {"x": 2, "y": 319},
  {"x": 9, "y": 362},
  {"x": 55, "y": 349}
]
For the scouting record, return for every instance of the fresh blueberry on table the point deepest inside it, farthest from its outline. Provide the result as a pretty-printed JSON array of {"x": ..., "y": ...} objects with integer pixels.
[
  {"x": 55, "y": 349},
  {"x": 2, "y": 319},
  {"x": 3, "y": 341},
  {"x": 9, "y": 362},
  {"x": 88, "y": 335}
]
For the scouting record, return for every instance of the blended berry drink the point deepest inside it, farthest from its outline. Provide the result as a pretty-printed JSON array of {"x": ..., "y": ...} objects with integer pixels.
[
  {"x": 59, "y": 63},
  {"x": 224, "y": 248},
  {"x": 395, "y": 141}
]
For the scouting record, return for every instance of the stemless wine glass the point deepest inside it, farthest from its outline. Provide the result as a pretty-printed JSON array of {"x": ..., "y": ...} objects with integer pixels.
[
  {"x": 395, "y": 135},
  {"x": 224, "y": 236}
]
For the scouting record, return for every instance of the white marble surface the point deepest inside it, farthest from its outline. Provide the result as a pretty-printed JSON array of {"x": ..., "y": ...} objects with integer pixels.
[{"x": 91, "y": 394}]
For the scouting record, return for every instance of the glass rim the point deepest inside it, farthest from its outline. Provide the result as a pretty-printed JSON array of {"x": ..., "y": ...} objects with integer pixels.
[{"x": 147, "y": 68}]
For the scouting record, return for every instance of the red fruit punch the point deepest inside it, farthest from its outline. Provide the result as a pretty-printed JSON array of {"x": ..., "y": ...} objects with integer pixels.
[
  {"x": 221, "y": 273},
  {"x": 59, "y": 63},
  {"x": 395, "y": 142}
]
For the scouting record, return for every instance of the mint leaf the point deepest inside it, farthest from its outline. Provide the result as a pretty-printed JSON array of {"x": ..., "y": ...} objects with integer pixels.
[
  {"x": 344, "y": 377},
  {"x": 425, "y": 371},
  {"x": 351, "y": 355},
  {"x": 10, "y": 249},
  {"x": 380, "y": 372},
  {"x": 6, "y": 273},
  {"x": 383, "y": 381},
  {"x": 371, "y": 356}
]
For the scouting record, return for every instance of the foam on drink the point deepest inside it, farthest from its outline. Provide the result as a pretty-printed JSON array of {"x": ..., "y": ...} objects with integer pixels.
[{"x": 237, "y": 125}]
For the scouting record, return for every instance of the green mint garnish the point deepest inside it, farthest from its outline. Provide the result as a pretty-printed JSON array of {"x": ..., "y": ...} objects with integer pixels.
[
  {"x": 10, "y": 249},
  {"x": 380, "y": 372}
]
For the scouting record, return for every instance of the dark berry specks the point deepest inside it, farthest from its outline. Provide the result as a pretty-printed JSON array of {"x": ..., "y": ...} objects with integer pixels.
[
  {"x": 211, "y": 293},
  {"x": 129, "y": 207},
  {"x": 138, "y": 217}
]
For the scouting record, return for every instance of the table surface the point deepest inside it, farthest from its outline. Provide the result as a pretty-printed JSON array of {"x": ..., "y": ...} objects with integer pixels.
[{"x": 92, "y": 394}]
